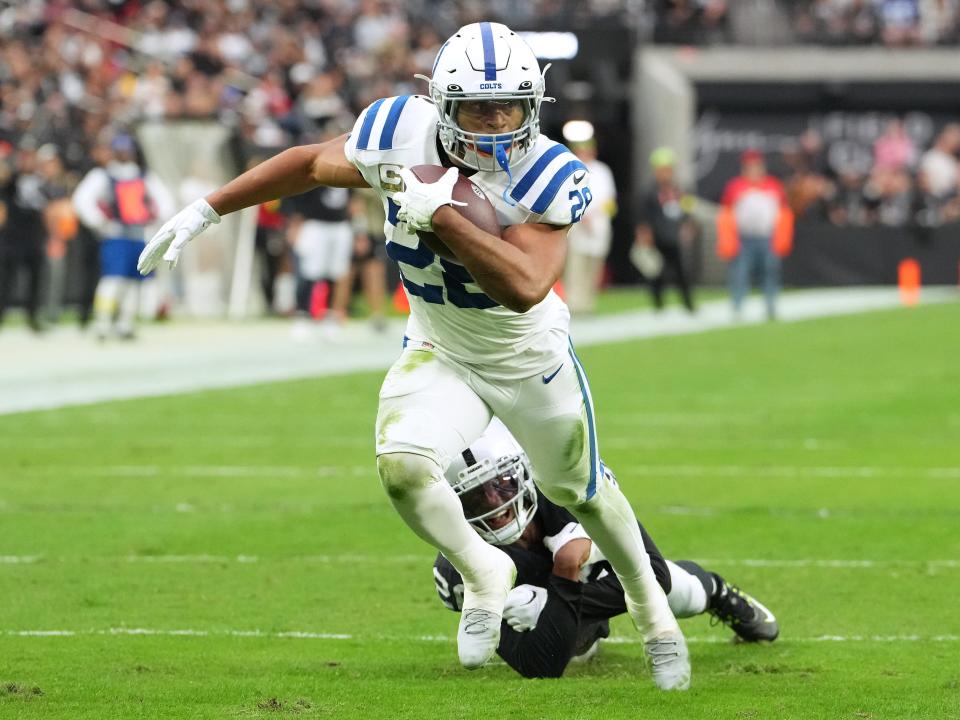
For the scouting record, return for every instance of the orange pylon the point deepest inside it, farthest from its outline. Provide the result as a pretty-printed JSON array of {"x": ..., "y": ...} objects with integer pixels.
[
  {"x": 400, "y": 301},
  {"x": 908, "y": 278}
]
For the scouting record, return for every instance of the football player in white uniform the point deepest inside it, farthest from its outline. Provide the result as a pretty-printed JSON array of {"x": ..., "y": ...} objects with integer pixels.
[
  {"x": 565, "y": 593},
  {"x": 487, "y": 335}
]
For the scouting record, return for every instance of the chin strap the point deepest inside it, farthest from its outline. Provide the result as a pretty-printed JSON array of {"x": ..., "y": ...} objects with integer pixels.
[{"x": 504, "y": 162}]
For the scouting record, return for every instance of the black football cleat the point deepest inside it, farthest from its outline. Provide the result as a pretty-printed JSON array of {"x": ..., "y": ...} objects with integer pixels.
[{"x": 747, "y": 617}]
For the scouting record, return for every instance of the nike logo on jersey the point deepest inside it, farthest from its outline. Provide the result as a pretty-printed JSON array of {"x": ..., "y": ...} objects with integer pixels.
[
  {"x": 547, "y": 378},
  {"x": 578, "y": 178}
]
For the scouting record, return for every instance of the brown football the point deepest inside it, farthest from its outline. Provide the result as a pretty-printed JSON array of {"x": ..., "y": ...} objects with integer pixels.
[{"x": 478, "y": 209}]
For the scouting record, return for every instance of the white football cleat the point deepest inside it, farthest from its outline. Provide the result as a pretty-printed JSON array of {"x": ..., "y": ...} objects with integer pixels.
[
  {"x": 669, "y": 660},
  {"x": 483, "y": 601}
]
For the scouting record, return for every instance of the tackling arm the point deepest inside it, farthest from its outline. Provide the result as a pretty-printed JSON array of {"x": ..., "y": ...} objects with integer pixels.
[{"x": 518, "y": 270}]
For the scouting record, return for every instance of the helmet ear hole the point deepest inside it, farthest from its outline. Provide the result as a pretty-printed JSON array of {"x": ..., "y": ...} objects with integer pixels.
[{"x": 526, "y": 85}]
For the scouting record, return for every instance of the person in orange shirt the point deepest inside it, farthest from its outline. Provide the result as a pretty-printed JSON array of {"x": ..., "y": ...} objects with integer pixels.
[{"x": 754, "y": 231}]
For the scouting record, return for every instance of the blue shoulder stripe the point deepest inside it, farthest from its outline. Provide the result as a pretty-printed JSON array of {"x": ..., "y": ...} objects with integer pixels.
[
  {"x": 527, "y": 181},
  {"x": 393, "y": 117},
  {"x": 550, "y": 191},
  {"x": 489, "y": 55},
  {"x": 368, "y": 122}
]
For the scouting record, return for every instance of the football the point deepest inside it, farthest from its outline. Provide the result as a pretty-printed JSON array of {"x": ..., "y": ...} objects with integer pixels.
[{"x": 478, "y": 209}]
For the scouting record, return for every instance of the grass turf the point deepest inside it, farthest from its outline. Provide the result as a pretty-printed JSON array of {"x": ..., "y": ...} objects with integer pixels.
[{"x": 258, "y": 511}]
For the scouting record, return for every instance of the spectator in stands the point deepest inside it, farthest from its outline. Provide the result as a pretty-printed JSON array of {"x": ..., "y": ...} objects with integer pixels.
[
  {"x": 894, "y": 150},
  {"x": 889, "y": 195},
  {"x": 939, "y": 163},
  {"x": 665, "y": 224},
  {"x": 754, "y": 230},
  {"x": 690, "y": 22},
  {"x": 939, "y": 21},
  {"x": 900, "y": 21},
  {"x": 118, "y": 202},
  {"x": 589, "y": 239},
  {"x": 846, "y": 204}
]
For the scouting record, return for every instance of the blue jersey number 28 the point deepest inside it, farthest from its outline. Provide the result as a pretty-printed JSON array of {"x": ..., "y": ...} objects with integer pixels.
[{"x": 581, "y": 199}]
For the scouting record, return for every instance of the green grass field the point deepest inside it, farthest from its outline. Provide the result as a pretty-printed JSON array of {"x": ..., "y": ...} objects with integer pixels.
[{"x": 181, "y": 546}]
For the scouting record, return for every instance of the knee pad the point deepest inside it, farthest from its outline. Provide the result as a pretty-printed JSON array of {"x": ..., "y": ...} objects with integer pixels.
[{"x": 402, "y": 473}]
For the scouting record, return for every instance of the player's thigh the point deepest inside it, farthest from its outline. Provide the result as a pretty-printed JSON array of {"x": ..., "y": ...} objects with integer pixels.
[
  {"x": 553, "y": 420},
  {"x": 427, "y": 408}
]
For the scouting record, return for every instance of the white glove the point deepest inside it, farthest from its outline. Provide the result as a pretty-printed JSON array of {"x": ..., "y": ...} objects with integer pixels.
[
  {"x": 418, "y": 201},
  {"x": 176, "y": 232},
  {"x": 523, "y": 607}
]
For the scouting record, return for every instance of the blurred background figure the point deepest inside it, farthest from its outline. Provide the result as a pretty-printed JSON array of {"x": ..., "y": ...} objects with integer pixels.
[
  {"x": 369, "y": 255},
  {"x": 666, "y": 226},
  {"x": 22, "y": 231},
  {"x": 60, "y": 221},
  {"x": 119, "y": 202},
  {"x": 589, "y": 240},
  {"x": 320, "y": 232},
  {"x": 754, "y": 230}
]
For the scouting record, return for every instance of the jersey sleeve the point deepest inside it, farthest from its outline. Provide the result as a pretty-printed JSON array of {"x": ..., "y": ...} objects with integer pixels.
[
  {"x": 385, "y": 128},
  {"x": 448, "y": 582},
  {"x": 555, "y": 187}
]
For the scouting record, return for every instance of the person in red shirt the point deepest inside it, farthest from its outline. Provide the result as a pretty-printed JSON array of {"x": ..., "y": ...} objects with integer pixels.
[{"x": 754, "y": 230}]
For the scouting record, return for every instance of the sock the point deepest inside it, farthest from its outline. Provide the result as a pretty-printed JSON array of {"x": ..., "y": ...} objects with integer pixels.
[
  {"x": 711, "y": 582},
  {"x": 129, "y": 305},
  {"x": 687, "y": 596},
  {"x": 105, "y": 302},
  {"x": 430, "y": 507},
  {"x": 610, "y": 522}
]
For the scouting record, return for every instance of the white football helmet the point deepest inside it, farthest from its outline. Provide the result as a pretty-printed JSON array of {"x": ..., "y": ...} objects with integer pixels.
[
  {"x": 487, "y": 62},
  {"x": 494, "y": 482}
]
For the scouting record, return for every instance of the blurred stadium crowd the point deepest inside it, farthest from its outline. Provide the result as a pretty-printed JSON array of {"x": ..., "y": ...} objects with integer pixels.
[
  {"x": 893, "y": 23},
  {"x": 74, "y": 75},
  {"x": 899, "y": 184}
]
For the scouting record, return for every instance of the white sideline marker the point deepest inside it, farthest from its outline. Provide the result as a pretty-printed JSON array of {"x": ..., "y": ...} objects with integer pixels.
[
  {"x": 311, "y": 635},
  {"x": 346, "y": 559}
]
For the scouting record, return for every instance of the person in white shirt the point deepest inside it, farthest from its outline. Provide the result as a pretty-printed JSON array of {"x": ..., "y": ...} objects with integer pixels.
[{"x": 590, "y": 238}]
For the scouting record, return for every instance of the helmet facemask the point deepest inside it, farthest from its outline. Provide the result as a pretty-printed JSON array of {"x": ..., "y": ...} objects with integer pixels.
[
  {"x": 499, "y": 498},
  {"x": 484, "y": 151}
]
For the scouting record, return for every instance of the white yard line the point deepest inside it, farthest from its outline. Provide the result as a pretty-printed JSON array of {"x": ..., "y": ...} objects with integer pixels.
[
  {"x": 65, "y": 369},
  {"x": 347, "y": 559},
  {"x": 313, "y": 635},
  {"x": 299, "y": 471}
]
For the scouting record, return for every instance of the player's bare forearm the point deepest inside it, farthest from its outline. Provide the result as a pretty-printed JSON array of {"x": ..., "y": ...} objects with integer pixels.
[
  {"x": 517, "y": 270},
  {"x": 570, "y": 558},
  {"x": 291, "y": 172}
]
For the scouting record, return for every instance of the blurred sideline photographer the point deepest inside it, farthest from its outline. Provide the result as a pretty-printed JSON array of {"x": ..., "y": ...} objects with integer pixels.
[
  {"x": 665, "y": 227},
  {"x": 754, "y": 231},
  {"x": 589, "y": 240},
  {"x": 118, "y": 202}
]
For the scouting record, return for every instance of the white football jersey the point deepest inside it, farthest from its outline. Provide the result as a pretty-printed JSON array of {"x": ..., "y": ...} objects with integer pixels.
[{"x": 447, "y": 308}]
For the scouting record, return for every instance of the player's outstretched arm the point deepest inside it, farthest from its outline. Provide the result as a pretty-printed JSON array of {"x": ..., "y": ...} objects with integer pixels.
[
  {"x": 517, "y": 270},
  {"x": 291, "y": 172}
]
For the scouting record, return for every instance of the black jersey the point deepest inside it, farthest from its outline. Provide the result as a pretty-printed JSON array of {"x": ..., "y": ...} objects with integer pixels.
[
  {"x": 602, "y": 593},
  {"x": 323, "y": 203}
]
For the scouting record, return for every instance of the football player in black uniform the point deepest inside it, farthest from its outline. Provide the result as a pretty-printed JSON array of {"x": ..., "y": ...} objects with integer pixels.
[{"x": 565, "y": 591}]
